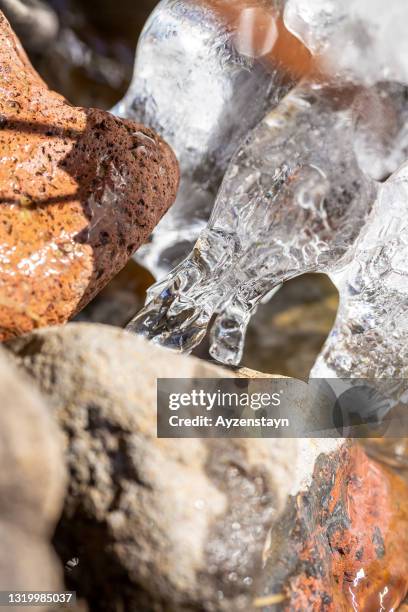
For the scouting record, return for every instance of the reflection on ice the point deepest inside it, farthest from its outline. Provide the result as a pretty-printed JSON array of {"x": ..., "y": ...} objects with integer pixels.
[{"x": 197, "y": 82}]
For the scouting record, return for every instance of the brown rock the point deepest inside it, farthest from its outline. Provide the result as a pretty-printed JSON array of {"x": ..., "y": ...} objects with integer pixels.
[{"x": 80, "y": 191}]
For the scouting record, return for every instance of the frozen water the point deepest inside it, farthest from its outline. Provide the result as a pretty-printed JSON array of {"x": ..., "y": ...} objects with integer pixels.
[
  {"x": 293, "y": 200},
  {"x": 297, "y": 191},
  {"x": 361, "y": 40},
  {"x": 370, "y": 336},
  {"x": 192, "y": 85},
  {"x": 378, "y": 135},
  {"x": 381, "y": 129}
]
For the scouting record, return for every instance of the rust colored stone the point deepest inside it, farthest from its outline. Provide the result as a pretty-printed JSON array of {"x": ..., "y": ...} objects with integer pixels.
[
  {"x": 344, "y": 543},
  {"x": 376, "y": 541},
  {"x": 80, "y": 191}
]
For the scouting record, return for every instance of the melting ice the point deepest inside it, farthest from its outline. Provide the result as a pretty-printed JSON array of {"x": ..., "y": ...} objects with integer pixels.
[
  {"x": 297, "y": 193},
  {"x": 370, "y": 336},
  {"x": 360, "y": 40},
  {"x": 293, "y": 199},
  {"x": 192, "y": 85}
]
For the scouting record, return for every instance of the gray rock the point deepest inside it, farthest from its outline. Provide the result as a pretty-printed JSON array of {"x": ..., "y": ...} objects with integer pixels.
[
  {"x": 156, "y": 524},
  {"x": 32, "y": 484}
]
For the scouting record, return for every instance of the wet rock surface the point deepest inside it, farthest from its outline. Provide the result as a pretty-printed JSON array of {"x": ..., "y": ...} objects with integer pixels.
[
  {"x": 86, "y": 191},
  {"x": 342, "y": 544},
  {"x": 32, "y": 484},
  {"x": 156, "y": 524}
]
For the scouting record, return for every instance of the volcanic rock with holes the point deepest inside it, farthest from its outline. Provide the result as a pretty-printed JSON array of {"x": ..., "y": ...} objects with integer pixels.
[{"x": 80, "y": 191}]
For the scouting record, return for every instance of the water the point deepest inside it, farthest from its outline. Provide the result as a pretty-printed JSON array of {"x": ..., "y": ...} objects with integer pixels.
[{"x": 202, "y": 89}]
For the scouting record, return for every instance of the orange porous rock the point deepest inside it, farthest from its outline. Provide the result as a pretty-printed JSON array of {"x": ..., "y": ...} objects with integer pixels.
[{"x": 80, "y": 191}]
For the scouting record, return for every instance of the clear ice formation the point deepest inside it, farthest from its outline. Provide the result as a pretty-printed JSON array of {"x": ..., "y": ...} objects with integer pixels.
[
  {"x": 299, "y": 188},
  {"x": 370, "y": 336},
  {"x": 359, "y": 40},
  {"x": 202, "y": 96},
  {"x": 293, "y": 200}
]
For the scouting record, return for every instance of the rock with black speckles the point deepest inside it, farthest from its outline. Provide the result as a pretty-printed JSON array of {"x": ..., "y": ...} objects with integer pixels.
[
  {"x": 80, "y": 191},
  {"x": 157, "y": 524}
]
